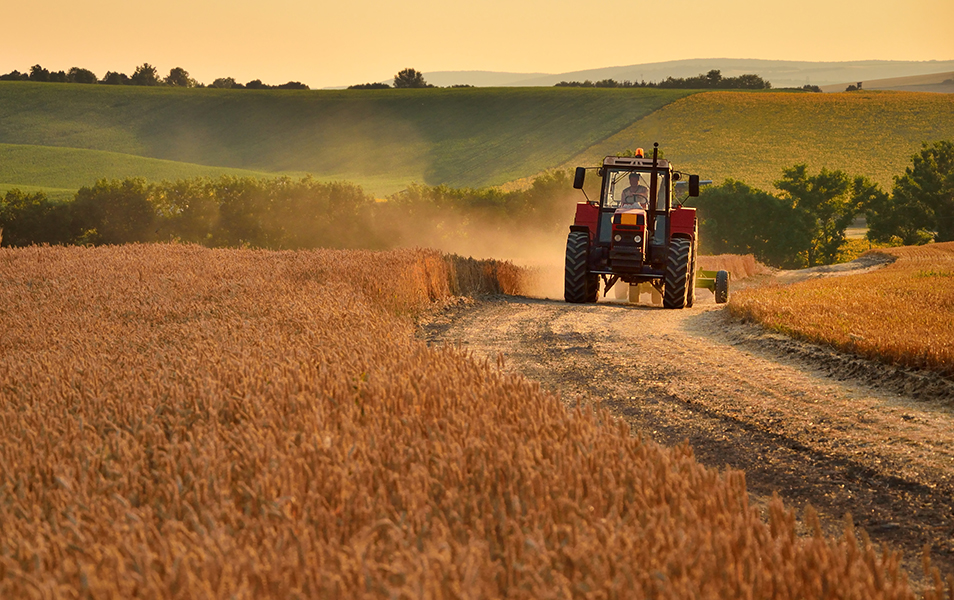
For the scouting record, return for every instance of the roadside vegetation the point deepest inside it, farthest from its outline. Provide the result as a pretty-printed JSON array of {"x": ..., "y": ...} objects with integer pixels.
[
  {"x": 179, "y": 421},
  {"x": 901, "y": 313},
  {"x": 804, "y": 224},
  {"x": 285, "y": 213}
]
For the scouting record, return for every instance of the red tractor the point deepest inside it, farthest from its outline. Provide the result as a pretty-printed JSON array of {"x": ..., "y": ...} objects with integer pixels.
[{"x": 637, "y": 233}]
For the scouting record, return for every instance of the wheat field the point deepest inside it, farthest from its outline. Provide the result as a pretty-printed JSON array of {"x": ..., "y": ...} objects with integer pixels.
[
  {"x": 739, "y": 266},
  {"x": 180, "y": 422},
  {"x": 902, "y": 313}
]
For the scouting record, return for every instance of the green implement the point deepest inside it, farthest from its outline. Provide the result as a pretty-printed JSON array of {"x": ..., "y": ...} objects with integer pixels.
[{"x": 715, "y": 281}]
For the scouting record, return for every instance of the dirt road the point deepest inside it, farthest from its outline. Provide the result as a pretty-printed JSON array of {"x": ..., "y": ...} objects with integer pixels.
[{"x": 786, "y": 414}]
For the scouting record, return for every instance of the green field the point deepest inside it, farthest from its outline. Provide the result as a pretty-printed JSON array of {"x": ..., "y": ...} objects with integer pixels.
[
  {"x": 60, "y": 172},
  {"x": 752, "y": 136},
  {"x": 58, "y": 137},
  {"x": 381, "y": 139}
]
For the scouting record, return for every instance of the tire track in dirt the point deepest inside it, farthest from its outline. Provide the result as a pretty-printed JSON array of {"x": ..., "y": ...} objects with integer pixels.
[{"x": 842, "y": 446}]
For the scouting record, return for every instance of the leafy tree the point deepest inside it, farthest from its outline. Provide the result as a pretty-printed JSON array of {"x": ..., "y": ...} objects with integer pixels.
[
  {"x": 179, "y": 77},
  {"x": 225, "y": 83},
  {"x": 78, "y": 75},
  {"x": 38, "y": 73},
  {"x": 27, "y": 219},
  {"x": 921, "y": 207},
  {"x": 747, "y": 82},
  {"x": 827, "y": 200},
  {"x": 114, "y": 78},
  {"x": 370, "y": 86},
  {"x": 145, "y": 74},
  {"x": 113, "y": 212},
  {"x": 409, "y": 78},
  {"x": 256, "y": 84},
  {"x": 58, "y": 77},
  {"x": 187, "y": 210},
  {"x": 292, "y": 85},
  {"x": 15, "y": 76},
  {"x": 738, "y": 219}
]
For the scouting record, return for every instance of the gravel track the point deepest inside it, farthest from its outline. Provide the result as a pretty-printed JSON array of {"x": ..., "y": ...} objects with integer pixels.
[{"x": 801, "y": 421}]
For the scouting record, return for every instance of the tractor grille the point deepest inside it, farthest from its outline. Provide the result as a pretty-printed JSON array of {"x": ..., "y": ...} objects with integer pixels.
[{"x": 626, "y": 258}]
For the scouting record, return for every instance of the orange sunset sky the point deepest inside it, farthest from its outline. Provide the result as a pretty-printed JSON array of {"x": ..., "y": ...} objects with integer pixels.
[{"x": 327, "y": 44}]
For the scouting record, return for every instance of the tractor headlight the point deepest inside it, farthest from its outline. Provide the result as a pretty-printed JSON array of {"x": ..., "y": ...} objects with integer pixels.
[
  {"x": 637, "y": 239},
  {"x": 618, "y": 237}
]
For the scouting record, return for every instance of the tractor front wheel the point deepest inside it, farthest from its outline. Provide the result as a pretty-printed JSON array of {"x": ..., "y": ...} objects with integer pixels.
[
  {"x": 722, "y": 287},
  {"x": 578, "y": 285},
  {"x": 676, "y": 288}
]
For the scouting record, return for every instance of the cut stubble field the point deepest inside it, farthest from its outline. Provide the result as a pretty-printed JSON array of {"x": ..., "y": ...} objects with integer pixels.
[{"x": 185, "y": 422}]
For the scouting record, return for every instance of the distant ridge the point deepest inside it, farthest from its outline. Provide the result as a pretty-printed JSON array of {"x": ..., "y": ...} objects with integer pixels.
[
  {"x": 935, "y": 82},
  {"x": 781, "y": 73},
  {"x": 479, "y": 78}
]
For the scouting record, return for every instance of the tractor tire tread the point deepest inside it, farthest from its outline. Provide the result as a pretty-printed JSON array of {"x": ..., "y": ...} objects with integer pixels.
[
  {"x": 576, "y": 288},
  {"x": 677, "y": 273},
  {"x": 722, "y": 287}
]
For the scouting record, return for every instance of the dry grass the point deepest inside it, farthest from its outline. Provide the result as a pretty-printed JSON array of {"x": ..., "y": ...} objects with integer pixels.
[
  {"x": 179, "y": 422},
  {"x": 739, "y": 266},
  {"x": 903, "y": 313}
]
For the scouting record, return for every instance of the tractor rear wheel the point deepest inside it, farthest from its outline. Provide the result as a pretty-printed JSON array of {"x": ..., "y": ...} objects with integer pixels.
[
  {"x": 577, "y": 285},
  {"x": 677, "y": 273},
  {"x": 722, "y": 287}
]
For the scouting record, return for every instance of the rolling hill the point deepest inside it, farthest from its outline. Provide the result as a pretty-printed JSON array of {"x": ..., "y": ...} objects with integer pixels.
[
  {"x": 57, "y": 137},
  {"x": 753, "y": 136},
  {"x": 383, "y": 139}
]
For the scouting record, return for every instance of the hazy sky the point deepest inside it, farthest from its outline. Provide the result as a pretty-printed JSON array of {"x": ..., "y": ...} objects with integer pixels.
[{"x": 324, "y": 43}]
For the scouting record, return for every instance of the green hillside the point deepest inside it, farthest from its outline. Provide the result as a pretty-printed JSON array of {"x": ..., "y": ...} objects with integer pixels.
[
  {"x": 753, "y": 136},
  {"x": 61, "y": 171},
  {"x": 383, "y": 139}
]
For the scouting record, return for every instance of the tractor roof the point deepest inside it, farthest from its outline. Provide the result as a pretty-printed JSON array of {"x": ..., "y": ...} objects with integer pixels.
[{"x": 634, "y": 163}]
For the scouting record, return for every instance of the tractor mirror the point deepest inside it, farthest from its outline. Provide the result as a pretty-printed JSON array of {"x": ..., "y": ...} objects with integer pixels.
[
  {"x": 693, "y": 185},
  {"x": 580, "y": 176}
]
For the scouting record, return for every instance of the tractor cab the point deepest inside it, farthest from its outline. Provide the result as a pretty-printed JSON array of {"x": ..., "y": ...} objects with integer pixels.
[{"x": 633, "y": 211}]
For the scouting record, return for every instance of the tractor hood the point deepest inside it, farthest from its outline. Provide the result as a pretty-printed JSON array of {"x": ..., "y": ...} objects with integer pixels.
[{"x": 634, "y": 217}]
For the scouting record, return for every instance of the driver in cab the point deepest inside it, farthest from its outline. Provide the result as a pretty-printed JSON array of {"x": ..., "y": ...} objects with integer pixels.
[{"x": 636, "y": 194}]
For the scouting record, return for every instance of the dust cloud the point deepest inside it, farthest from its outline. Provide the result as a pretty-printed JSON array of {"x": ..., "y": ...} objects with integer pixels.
[{"x": 538, "y": 245}]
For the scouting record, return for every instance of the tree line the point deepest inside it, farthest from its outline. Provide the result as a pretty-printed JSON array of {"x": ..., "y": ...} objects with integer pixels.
[
  {"x": 803, "y": 224},
  {"x": 278, "y": 213},
  {"x": 712, "y": 80},
  {"x": 145, "y": 74}
]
